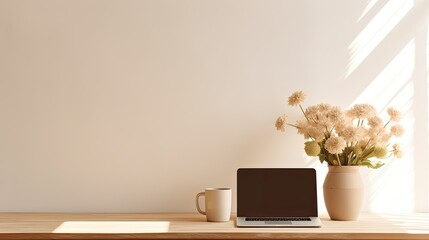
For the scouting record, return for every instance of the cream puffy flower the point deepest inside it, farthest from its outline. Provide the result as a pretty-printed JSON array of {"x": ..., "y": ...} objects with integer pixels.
[
  {"x": 343, "y": 124},
  {"x": 281, "y": 123},
  {"x": 362, "y": 111},
  {"x": 377, "y": 133},
  {"x": 310, "y": 130},
  {"x": 317, "y": 133},
  {"x": 364, "y": 142},
  {"x": 335, "y": 145},
  {"x": 296, "y": 98},
  {"x": 375, "y": 122},
  {"x": 353, "y": 134},
  {"x": 302, "y": 127},
  {"x": 323, "y": 107},
  {"x": 395, "y": 115},
  {"x": 397, "y": 130},
  {"x": 397, "y": 150},
  {"x": 311, "y": 112},
  {"x": 349, "y": 134},
  {"x": 383, "y": 138},
  {"x": 335, "y": 115},
  {"x": 352, "y": 137}
]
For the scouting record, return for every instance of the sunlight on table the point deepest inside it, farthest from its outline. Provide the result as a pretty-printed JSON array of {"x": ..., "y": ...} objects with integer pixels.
[
  {"x": 410, "y": 223},
  {"x": 113, "y": 227}
]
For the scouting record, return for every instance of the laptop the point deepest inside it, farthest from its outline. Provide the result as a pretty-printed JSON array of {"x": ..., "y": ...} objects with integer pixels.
[{"x": 277, "y": 197}]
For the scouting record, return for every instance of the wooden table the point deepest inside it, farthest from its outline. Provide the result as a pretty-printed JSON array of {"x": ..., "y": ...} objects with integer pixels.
[{"x": 194, "y": 226}]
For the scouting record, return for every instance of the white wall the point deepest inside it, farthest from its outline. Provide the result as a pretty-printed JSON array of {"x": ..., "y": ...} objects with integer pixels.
[{"x": 135, "y": 106}]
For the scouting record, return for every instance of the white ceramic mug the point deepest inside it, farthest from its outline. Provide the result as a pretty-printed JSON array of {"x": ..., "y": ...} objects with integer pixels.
[{"x": 218, "y": 204}]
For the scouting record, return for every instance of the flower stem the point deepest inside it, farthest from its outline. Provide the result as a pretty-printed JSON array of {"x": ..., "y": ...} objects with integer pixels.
[
  {"x": 302, "y": 110},
  {"x": 338, "y": 159},
  {"x": 385, "y": 125}
]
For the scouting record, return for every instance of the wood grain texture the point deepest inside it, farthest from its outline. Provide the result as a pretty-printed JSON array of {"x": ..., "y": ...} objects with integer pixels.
[{"x": 194, "y": 226}]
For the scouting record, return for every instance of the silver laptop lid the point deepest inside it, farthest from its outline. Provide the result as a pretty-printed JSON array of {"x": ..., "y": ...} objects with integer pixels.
[{"x": 276, "y": 192}]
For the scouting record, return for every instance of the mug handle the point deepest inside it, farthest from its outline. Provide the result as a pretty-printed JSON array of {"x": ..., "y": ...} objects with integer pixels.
[{"x": 198, "y": 204}]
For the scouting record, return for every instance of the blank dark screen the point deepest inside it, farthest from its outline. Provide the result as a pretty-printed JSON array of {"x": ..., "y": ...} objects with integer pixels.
[{"x": 276, "y": 192}]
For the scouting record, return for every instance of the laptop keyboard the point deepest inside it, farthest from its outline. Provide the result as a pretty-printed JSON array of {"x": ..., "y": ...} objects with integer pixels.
[{"x": 276, "y": 219}]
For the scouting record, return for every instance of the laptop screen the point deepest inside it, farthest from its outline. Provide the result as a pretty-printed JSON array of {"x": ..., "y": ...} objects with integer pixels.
[{"x": 276, "y": 192}]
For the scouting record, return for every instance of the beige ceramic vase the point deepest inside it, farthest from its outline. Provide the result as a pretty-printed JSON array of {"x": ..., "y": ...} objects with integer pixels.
[{"x": 343, "y": 191}]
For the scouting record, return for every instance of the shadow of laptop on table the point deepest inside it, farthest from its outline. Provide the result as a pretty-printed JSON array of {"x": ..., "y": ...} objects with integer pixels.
[{"x": 277, "y": 197}]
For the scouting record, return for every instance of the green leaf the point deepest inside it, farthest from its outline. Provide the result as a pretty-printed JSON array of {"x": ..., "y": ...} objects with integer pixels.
[
  {"x": 373, "y": 165},
  {"x": 322, "y": 157}
]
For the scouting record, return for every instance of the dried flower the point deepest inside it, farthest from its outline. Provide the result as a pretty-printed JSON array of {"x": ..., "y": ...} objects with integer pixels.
[
  {"x": 316, "y": 132},
  {"x": 362, "y": 111},
  {"x": 380, "y": 152},
  {"x": 375, "y": 122},
  {"x": 383, "y": 138},
  {"x": 312, "y": 148},
  {"x": 395, "y": 115},
  {"x": 302, "y": 127},
  {"x": 338, "y": 137},
  {"x": 281, "y": 123},
  {"x": 335, "y": 145},
  {"x": 397, "y": 150},
  {"x": 335, "y": 115},
  {"x": 350, "y": 134},
  {"x": 323, "y": 107},
  {"x": 296, "y": 98},
  {"x": 397, "y": 130},
  {"x": 311, "y": 112},
  {"x": 343, "y": 124}
]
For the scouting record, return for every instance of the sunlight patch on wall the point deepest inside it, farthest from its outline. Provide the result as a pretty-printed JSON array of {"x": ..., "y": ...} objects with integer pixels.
[
  {"x": 384, "y": 88},
  {"x": 394, "y": 181},
  {"x": 376, "y": 30},
  {"x": 370, "y": 4}
]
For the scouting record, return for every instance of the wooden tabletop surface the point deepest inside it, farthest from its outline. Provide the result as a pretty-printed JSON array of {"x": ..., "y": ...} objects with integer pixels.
[{"x": 194, "y": 226}]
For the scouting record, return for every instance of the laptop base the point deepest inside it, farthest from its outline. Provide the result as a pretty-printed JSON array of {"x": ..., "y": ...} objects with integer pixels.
[{"x": 313, "y": 223}]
